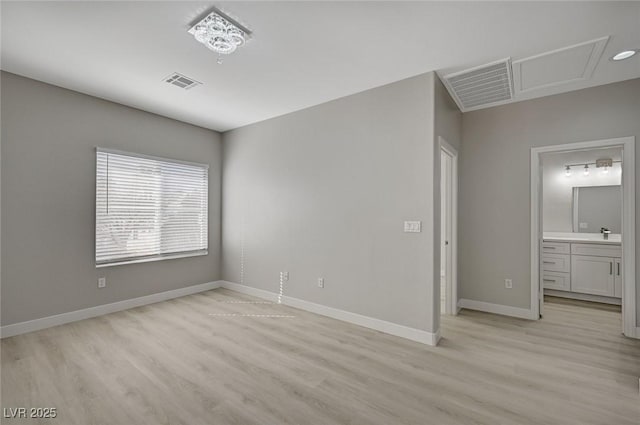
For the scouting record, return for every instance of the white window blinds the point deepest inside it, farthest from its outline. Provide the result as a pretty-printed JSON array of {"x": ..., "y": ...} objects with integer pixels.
[{"x": 149, "y": 208}]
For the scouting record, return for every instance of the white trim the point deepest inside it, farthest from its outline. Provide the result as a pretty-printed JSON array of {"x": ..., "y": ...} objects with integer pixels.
[
  {"x": 249, "y": 290},
  {"x": 87, "y": 313},
  {"x": 158, "y": 257},
  {"x": 505, "y": 310},
  {"x": 345, "y": 316},
  {"x": 628, "y": 224},
  {"x": 453, "y": 273}
]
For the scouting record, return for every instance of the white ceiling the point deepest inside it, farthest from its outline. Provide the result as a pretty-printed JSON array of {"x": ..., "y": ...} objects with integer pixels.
[{"x": 301, "y": 54}]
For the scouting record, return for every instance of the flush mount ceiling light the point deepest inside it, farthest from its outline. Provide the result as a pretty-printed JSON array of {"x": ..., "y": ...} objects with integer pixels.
[
  {"x": 220, "y": 33},
  {"x": 624, "y": 55}
]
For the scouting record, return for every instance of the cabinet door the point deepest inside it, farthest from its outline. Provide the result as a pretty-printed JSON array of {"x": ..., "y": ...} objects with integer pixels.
[
  {"x": 617, "y": 290},
  {"x": 592, "y": 275}
]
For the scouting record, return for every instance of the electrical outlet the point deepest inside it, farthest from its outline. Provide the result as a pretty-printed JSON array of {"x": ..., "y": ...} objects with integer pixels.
[
  {"x": 508, "y": 283},
  {"x": 102, "y": 282},
  {"x": 320, "y": 282}
]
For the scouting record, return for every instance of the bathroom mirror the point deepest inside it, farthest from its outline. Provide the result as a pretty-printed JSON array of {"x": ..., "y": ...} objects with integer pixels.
[{"x": 595, "y": 207}]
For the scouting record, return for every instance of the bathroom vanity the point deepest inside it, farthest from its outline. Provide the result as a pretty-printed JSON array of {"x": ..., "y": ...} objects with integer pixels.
[{"x": 583, "y": 266}]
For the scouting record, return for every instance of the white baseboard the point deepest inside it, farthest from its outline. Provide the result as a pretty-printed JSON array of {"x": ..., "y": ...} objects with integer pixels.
[
  {"x": 87, "y": 313},
  {"x": 254, "y": 292},
  {"x": 346, "y": 316},
  {"x": 505, "y": 310},
  {"x": 74, "y": 316}
]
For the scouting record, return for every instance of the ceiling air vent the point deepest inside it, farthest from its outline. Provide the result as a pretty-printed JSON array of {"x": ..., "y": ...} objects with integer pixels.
[
  {"x": 181, "y": 81},
  {"x": 482, "y": 86}
]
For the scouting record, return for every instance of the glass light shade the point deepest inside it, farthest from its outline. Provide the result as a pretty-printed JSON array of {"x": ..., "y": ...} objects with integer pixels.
[
  {"x": 235, "y": 36},
  {"x": 586, "y": 170},
  {"x": 201, "y": 34},
  {"x": 216, "y": 27},
  {"x": 222, "y": 45}
]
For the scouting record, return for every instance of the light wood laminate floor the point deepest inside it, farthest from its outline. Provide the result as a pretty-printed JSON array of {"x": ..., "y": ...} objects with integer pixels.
[{"x": 176, "y": 363}]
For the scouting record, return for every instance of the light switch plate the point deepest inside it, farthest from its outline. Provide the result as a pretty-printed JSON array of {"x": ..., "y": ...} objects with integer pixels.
[{"x": 412, "y": 226}]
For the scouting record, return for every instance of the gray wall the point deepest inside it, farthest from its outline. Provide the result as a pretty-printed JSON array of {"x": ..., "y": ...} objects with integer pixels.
[
  {"x": 557, "y": 188},
  {"x": 495, "y": 208},
  {"x": 49, "y": 136},
  {"x": 448, "y": 125},
  {"x": 324, "y": 192}
]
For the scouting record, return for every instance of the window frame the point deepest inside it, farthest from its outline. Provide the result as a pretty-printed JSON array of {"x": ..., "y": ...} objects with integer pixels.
[{"x": 153, "y": 257}]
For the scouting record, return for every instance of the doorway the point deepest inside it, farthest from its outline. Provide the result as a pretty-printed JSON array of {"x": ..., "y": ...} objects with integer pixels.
[
  {"x": 448, "y": 228},
  {"x": 570, "y": 257}
]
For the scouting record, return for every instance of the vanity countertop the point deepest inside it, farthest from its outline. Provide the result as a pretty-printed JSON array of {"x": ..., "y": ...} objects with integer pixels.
[{"x": 614, "y": 238}]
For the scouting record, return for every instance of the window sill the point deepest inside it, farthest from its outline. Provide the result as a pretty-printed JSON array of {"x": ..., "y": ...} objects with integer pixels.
[{"x": 154, "y": 258}]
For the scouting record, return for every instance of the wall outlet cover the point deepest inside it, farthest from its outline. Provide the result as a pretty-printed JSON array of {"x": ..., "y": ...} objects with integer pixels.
[
  {"x": 508, "y": 283},
  {"x": 102, "y": 282}
]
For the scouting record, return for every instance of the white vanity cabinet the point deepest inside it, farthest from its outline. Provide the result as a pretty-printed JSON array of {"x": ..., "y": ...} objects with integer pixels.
[{"x": 592, "y": 269}]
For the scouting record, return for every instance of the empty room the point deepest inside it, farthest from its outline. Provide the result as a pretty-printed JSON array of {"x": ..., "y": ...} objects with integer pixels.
[{"x": 319, "y": 212}]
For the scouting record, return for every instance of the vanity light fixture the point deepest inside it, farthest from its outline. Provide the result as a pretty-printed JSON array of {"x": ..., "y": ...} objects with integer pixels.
[
  {"x": 220, "y": 33},
  {"x": 624, "y": 55},
  {"x": 604, "y": 163}
]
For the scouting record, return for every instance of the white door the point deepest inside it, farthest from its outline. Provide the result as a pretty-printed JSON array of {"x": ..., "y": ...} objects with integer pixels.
[
  {"x": 592, "y": 275},
  {"x": 448, "y": 215},
  {"x": 445, "y": 165}
]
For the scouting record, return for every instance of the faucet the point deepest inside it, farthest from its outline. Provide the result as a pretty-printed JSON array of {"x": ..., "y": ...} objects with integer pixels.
[{"x": 605, "y": 233}]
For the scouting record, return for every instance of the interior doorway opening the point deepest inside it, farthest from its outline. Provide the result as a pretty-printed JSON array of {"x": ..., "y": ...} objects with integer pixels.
[{"x": 583, "y": 225}]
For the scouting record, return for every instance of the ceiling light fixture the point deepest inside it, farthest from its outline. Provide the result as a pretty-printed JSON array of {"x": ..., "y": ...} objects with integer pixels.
[
  {"x": 220, "y": 33},
  {"x": 624, "y": 55},
  {"x": 586, "y": 169}
]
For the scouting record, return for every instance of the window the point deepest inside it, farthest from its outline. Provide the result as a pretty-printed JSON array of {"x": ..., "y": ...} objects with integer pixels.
[{"x": 149, "y": 208}]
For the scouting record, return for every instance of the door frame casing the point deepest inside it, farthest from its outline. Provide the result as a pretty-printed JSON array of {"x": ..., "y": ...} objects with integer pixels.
[
  {"x": 452, "y": 266},
  {"x": 627, "y": 144}
]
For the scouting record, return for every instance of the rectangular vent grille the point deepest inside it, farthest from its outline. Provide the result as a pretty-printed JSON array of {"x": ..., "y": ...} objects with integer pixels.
[
  {"x": 181, "y": 81},
  {"x": 483, "y": 86}
]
